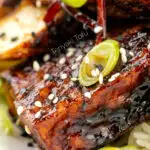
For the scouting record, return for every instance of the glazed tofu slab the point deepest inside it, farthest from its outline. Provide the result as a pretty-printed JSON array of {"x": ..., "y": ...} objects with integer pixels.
[
  {"x": 20, "y": 30},
  {"x": 61, "y": 114}
]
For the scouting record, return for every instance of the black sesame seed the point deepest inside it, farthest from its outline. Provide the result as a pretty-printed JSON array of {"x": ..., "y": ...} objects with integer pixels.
[
  {"x": 144, "y": 87},
  {"x": 2, "y": 35},
  {"x": 30, "y": 144},
  {"x": 33, "y": 34},
  {"x": 100, "y": 67},
  {"x": 13, "y": 39},
  {"x": 24, "y": 134}
]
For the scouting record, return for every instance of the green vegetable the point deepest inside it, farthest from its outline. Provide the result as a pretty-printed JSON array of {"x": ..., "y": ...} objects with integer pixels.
[
  {"x": 123, "y": 148},
  {"x": 6, "y": 126},
  {"x": 106, "y": 54},
  {"x": 75, "y": 3},
  {"x": 6, "y": 64},
  {"x": 129, "y": 147}
]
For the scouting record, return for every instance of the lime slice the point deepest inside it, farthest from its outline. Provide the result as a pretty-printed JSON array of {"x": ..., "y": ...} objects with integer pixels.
[
  {"x": 106, "y": 55},
  {"x": 75, "y": 3}
]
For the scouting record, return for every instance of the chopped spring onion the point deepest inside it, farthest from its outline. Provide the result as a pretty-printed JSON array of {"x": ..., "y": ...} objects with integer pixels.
[
  {"x": 6, "y": 126},
  {"x": 109, "y": 148},
  {"x": 104, "y": 55},
  {"x": 75, "y": 3}
]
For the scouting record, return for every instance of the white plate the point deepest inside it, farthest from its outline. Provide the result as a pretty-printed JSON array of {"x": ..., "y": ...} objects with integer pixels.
[{"x": 14, "y": 143}]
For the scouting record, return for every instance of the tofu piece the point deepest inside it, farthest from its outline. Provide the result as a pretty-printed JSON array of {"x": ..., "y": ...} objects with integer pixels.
[
  {"x": 58, "y": 113},
  {"x": 4, "y": 11},
  {"x": 20, "y": 30},
  {"x": 7, "y": 6}
]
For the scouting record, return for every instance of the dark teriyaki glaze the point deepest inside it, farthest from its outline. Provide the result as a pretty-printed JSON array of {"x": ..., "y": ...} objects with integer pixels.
[
  {"x": 68, "y": 119},
  {"x": 135, "y": 7},
  {"x": 107, "y": 124}
]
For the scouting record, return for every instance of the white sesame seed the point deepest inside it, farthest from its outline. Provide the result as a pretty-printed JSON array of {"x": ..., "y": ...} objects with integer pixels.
[
  {"x": 70, "y": 51},
  {"x": 75, "y": 66},
  {"x": 79, "y": 58},
  {"x": 95, "y": 72},
  {"x": 148, "y": 47},
  {"x": 38, "y": 115},
  {"x": 36, "y": 66},
  {"x": 20, "y": 110},
  {"x": 116, "y": 75},
  {"x": 63, "y": 76},
  {"x": 124, "y": 59},
  {"x": 123, "y": 55},
  {"x": 46, "y": 76},
  {"x": 79, "y": 14},
  {"x": 38, "y": 104},
  {"x": 46, "y": 57},
  {"x": 55, "y": 101},
  {"x": 27, "y": 130},
  {"x": 87, "y": 94},
  {"x": 69, "y": 54},
  {"x": 131, "y": 54},
  {"x": 101, "y": 78},
  {"x": 38, "y": 3},
  {"x": 113, "y": 77},
  {"x": 62, "y": 61},
  {"x": 37, "y": 148},
  {"x": 51, "y": 96},
  {"x": 74, "y": 79},
  {"x": 86, "y": 60},
  {"x": 98, "y": 29},
  {"x": 90, "y": 137},
  {"x": 123, "y": 51}
]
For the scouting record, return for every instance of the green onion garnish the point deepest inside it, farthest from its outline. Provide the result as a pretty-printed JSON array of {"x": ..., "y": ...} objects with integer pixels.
[
  {"x": 75, "y": 3},
  {"x": 106, "y": 54}
]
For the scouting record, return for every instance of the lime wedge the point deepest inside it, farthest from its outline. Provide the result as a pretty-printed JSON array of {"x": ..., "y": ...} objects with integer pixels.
[
  {"x": 75, "y": 3},
  {"x": 106, "y": 55}
]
